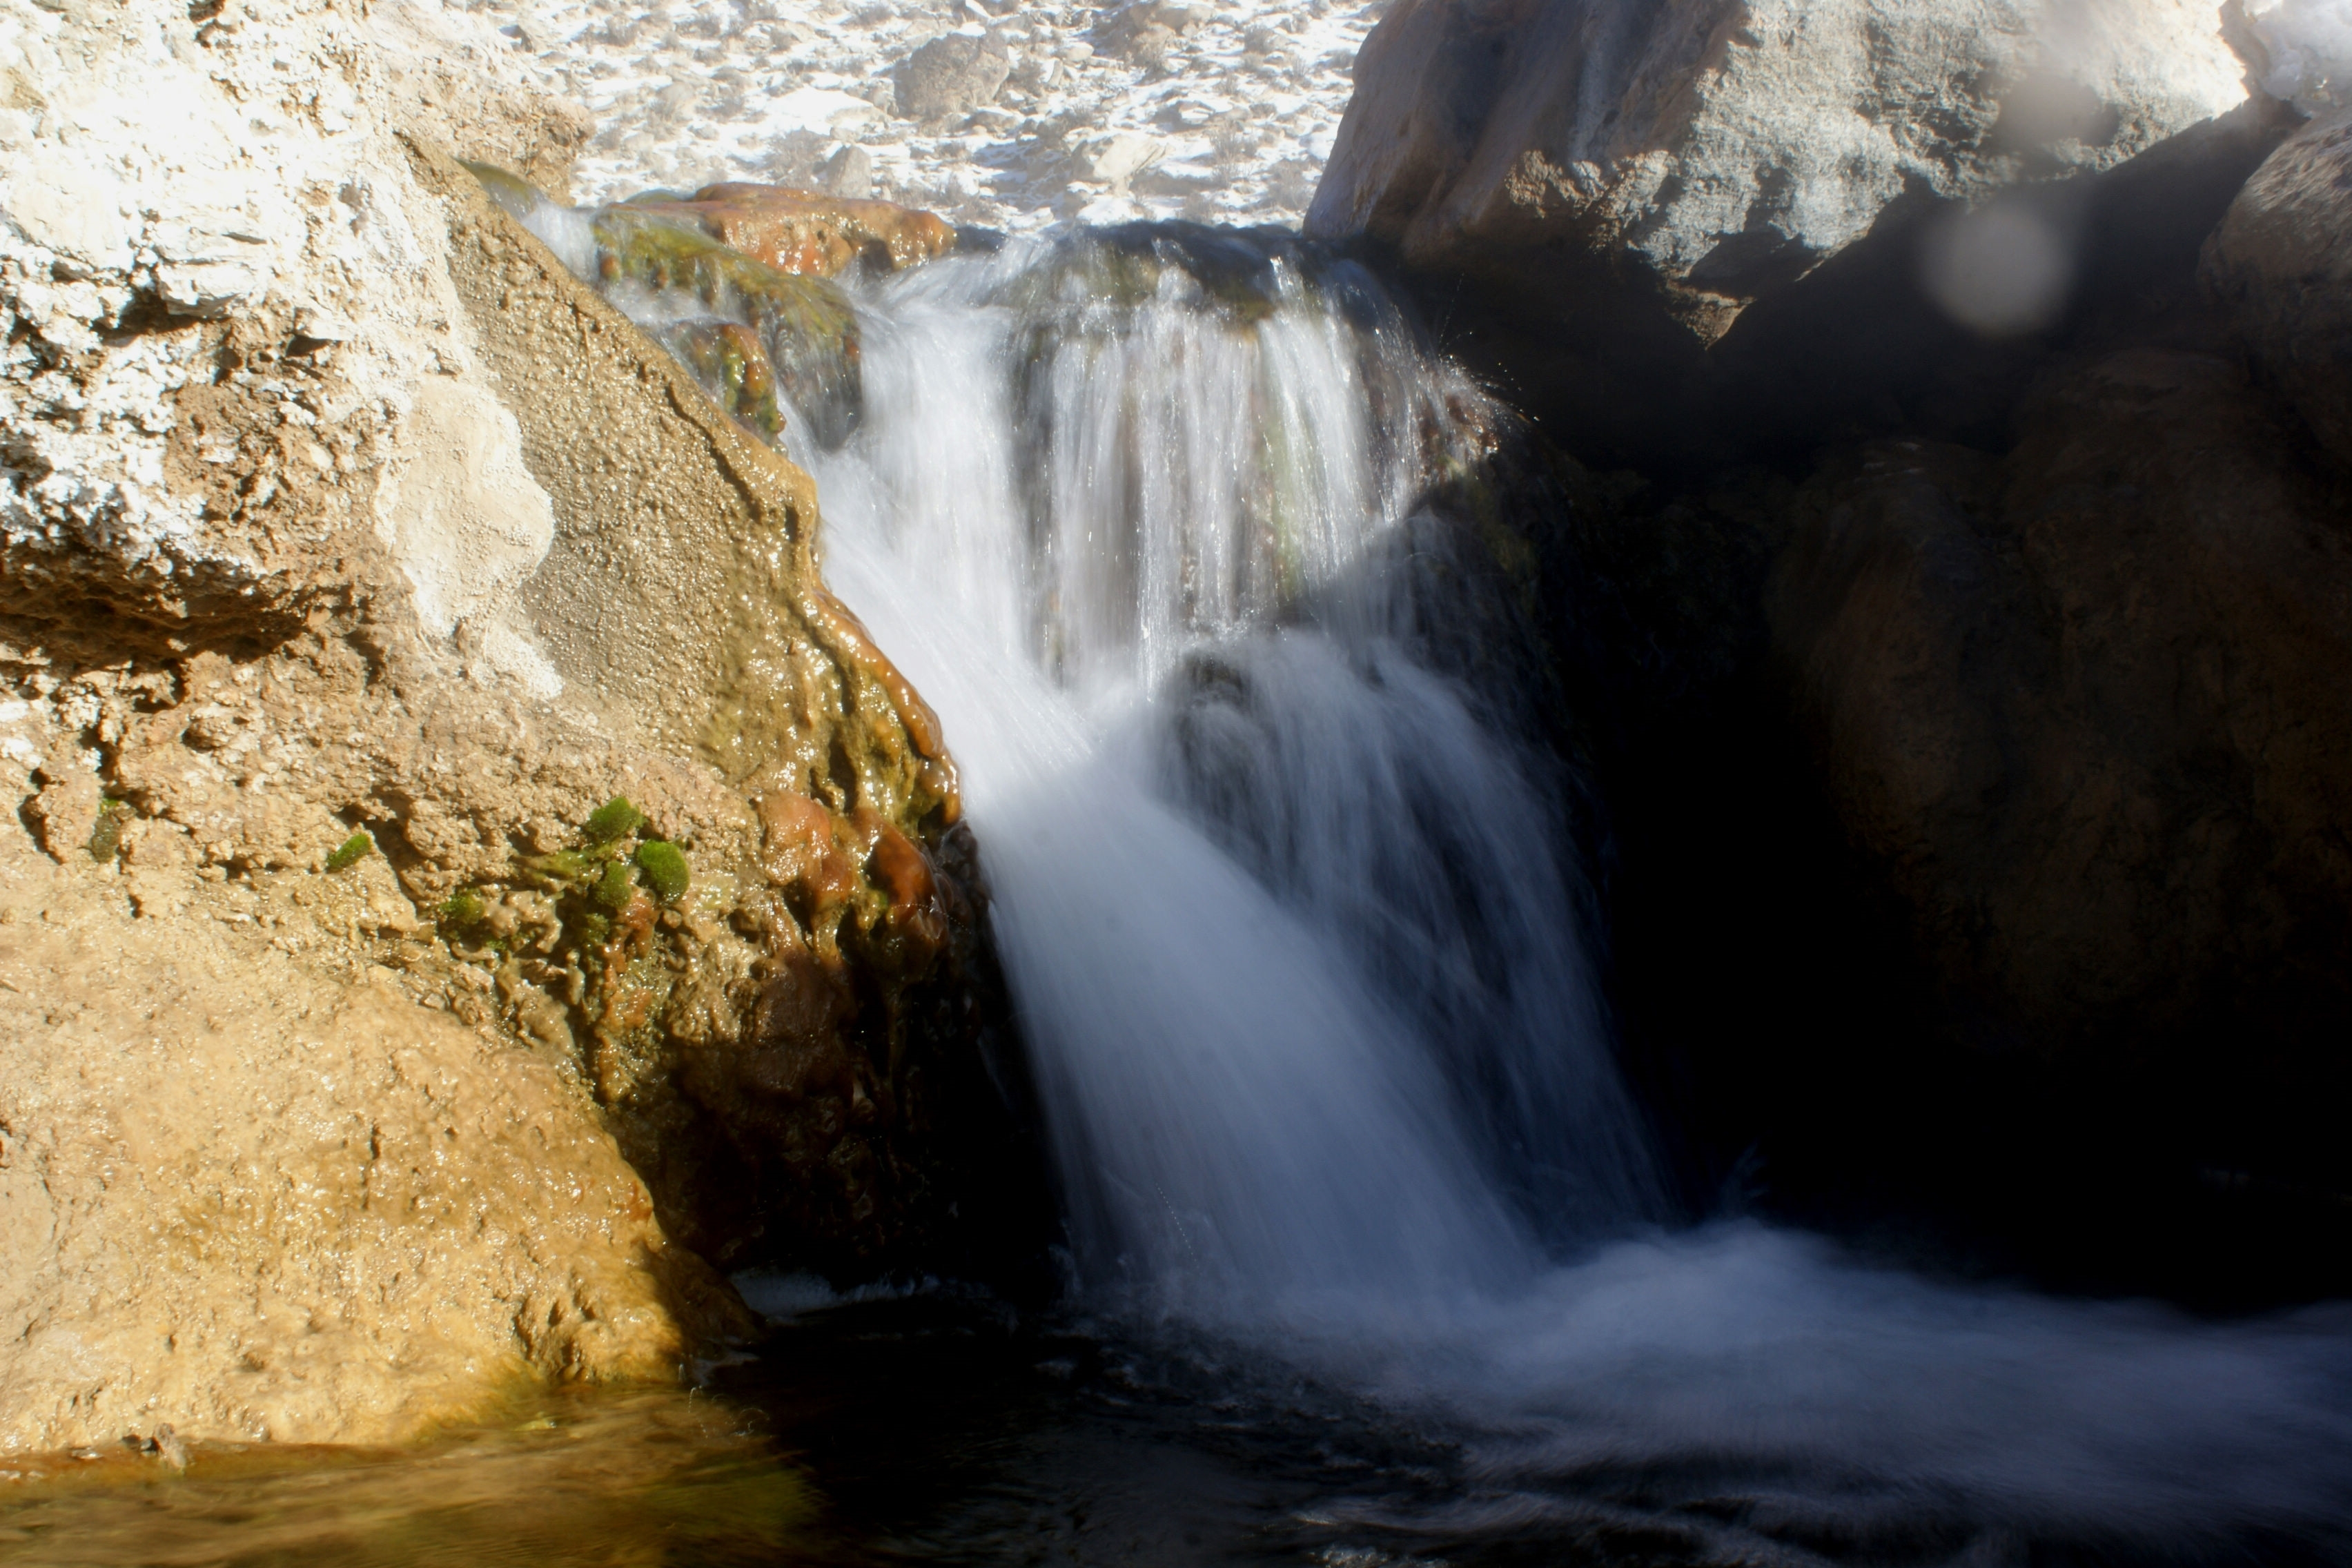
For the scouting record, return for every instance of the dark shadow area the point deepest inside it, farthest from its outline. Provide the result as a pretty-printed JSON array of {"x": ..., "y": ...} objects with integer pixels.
[{"x": 1808, "y": 1048}]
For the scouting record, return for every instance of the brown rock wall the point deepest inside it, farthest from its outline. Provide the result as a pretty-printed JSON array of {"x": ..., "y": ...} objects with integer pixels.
[
  {"x": 2083, "y": 708},
  {"x": 2282, "y": 264}
]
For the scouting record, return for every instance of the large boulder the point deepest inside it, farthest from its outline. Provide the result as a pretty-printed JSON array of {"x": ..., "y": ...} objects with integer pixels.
[
  {"x": 2282, "y": 263},
  {"x": 249, "y": 1194},
  {"x": 2082, "y": 710},
  {"x": 1705, "y": 153},
  {"x": 2018, "y": 774},
  {"x": 354, "y": 557}
]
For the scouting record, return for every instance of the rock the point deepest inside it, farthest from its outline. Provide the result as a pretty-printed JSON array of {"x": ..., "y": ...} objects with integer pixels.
[
  {"x": 1149, "y": 47},
  {"x": 1706, "y": 153},
  {"x": 804, "y": 326},
  {"x": 2082, "y": 710},
  {"x": 1143, "y": 31},
  {"x": 456, "y": 89},
  {"x": 2303, "y": 50},
  {"x": 64, "y": 815},
  {"x": 848, "y": 173},
  {"x": 674, "y": 593},
  {"x": 418, "y": 1212},
  {"x": 1116, "y": 158},
  {"x": 811, "y": 233},
  {"x": 467, "y": 522},
  {"x": 951, "y": 75},
  {"x": 409, "y": 538},
  {"x": 2282, "y": 263},
  {"x": 731, "y": 364}
]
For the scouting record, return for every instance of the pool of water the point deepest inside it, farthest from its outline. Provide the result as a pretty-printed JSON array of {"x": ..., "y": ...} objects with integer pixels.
[{"x": 944, "y": 1429}]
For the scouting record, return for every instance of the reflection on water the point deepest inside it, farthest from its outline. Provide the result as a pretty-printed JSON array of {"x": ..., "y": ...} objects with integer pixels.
[
  {"x": 618, "y": 1477},
  {"x": 942, "y": 1430}
]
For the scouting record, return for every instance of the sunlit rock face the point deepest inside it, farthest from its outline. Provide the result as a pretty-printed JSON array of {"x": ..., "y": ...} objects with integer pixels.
[
  {"x": 353, "y": 557},
  {"x": 1716, "y": 152}
]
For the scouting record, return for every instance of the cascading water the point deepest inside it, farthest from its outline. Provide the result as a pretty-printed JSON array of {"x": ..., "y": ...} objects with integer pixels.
[
  {"x": 1296, "y": 952},
  {"x": 1297, "y": 943}
]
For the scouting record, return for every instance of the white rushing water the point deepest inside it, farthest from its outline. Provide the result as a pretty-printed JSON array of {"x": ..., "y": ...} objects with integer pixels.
[
  {"x": 1282, "y": 916},
  {"x": 1299, "y": 954}
]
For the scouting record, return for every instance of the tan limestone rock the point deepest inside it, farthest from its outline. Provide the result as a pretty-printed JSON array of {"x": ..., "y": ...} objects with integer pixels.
[
  {"x": 247, "y": 1196},
  {"x": 335, "y": 504}
]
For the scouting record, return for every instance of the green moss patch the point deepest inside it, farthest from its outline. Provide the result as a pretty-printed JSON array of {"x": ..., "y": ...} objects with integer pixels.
[
  {"x": 666, "y": 870},
  {"x": 614, "y": 820}
]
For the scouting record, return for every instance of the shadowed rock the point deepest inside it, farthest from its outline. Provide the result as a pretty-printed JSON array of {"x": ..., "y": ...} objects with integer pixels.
[{"x": 2282, "y": 263}]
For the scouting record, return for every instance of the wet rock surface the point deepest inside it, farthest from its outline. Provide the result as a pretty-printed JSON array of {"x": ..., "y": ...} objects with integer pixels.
[{"x": 811, "y": 233}]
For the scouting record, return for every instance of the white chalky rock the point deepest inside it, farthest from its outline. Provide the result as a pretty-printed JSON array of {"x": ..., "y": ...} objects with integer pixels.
[
  {"x": 1116, "y": 158},
  {"x": 468, "y": 523}
]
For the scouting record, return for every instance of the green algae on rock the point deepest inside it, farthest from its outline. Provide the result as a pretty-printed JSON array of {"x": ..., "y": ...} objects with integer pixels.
[
  {"x": 350, "y": 851},
  {"x": 731, "y": 364},
  {"x": 615, "y": 819},
  {"x": 806, "y": 324}
]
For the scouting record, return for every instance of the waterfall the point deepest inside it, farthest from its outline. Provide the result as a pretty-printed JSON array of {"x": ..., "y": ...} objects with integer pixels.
[
  {"x": 1298, "y": 942},
  {"x": 1293, "y": 934}
]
